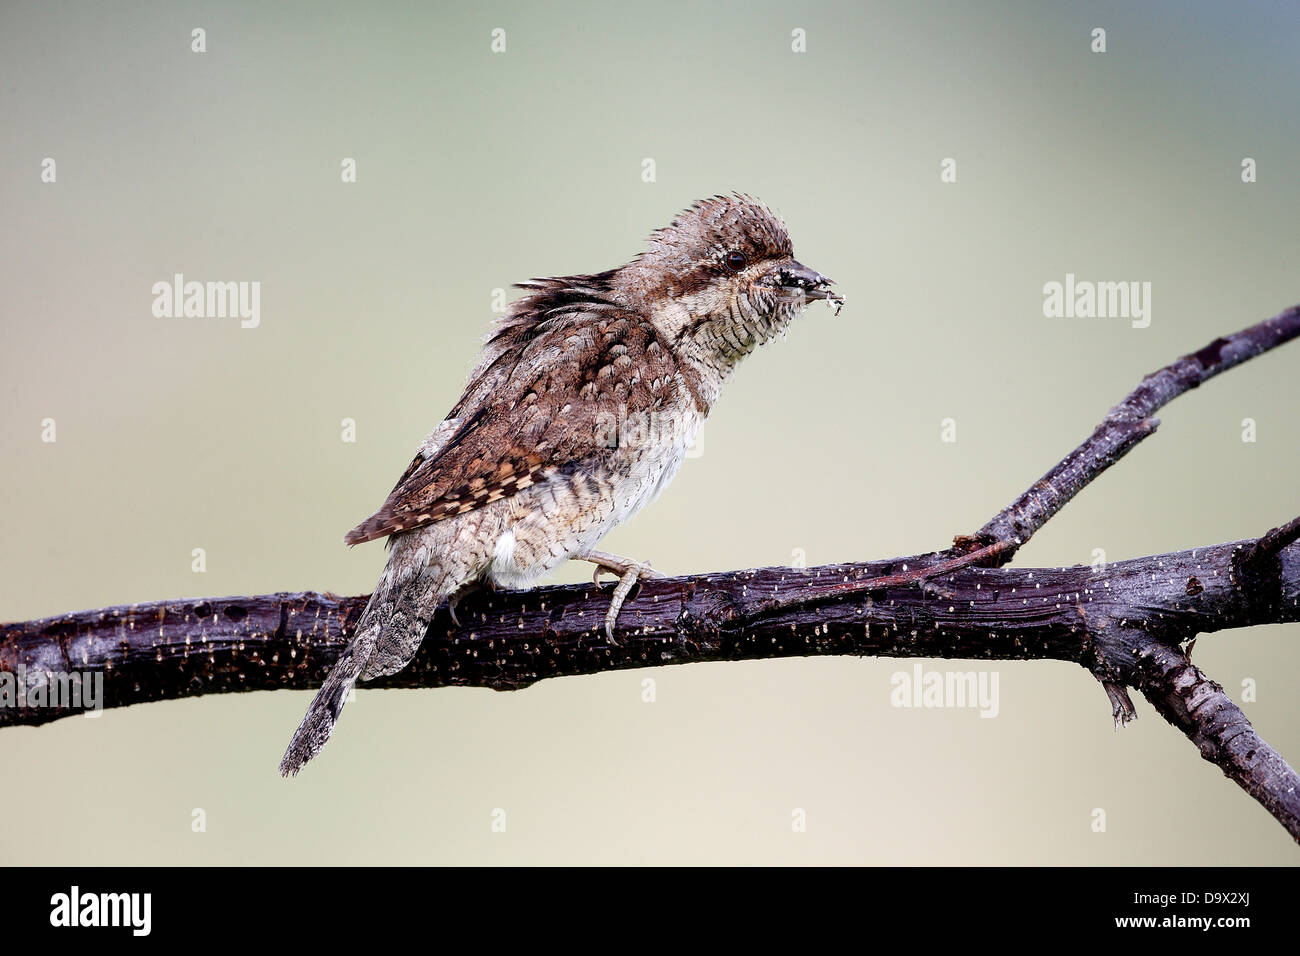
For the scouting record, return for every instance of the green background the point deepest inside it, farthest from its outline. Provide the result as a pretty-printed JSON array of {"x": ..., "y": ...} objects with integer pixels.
[{"x": 476, "y": 170}]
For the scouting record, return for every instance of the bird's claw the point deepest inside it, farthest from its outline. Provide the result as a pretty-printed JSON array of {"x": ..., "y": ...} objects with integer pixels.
[
  {"x": 629, "y": 573},
  {"x": 454, "y": 599}
]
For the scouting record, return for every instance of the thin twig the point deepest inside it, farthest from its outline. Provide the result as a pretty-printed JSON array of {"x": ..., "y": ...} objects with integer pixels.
[
  {"x": 1127, "y": 424},
  {"x": 1199, "y": 708}
]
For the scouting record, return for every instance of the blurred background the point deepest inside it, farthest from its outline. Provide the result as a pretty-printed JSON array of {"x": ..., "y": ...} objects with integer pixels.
[{"x": 476, "y": 169}]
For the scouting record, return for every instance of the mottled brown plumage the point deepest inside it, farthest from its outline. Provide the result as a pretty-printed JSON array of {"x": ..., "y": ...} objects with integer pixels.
[
  {"x": 542, "y": 418},
  {"x": 579, "y": 412}
]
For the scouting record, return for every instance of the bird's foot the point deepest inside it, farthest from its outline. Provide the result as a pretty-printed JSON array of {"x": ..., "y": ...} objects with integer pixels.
[
  {"x": 454, "y": 600},
  {"x": 629, "y": 573}
]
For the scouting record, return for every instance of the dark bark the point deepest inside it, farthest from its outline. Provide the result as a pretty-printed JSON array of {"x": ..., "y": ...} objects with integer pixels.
[
  {"x": 1128, "y": 423},
  {"x": 1199, "y": 708},
  {"x": 1125, "y": 623},
  {"x": 1099, "y": 618}
]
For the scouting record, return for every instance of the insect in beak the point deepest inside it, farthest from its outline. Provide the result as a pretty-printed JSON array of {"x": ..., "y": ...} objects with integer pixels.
[{"x": 796, "y": 280}]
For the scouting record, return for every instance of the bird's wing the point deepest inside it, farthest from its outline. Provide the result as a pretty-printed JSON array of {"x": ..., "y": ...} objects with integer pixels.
[{"x": 555, "y": 400}]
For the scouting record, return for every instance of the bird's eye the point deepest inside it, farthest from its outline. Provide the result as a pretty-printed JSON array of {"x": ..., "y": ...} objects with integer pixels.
[{"x": 736, "y": 261}]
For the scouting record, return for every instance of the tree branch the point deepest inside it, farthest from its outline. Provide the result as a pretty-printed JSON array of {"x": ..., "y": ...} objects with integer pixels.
[
  {"x": 1199, "y": 708},
  {"x": 1124, "y": 622},
  {"x": 1127, "y": 424}
]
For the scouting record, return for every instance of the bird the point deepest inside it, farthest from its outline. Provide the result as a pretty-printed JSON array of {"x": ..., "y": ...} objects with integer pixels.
[{"x": 588, "y": 393}]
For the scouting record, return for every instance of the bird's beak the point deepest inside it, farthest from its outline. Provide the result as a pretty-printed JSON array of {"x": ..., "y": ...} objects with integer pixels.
[{"x": 797, "y": 280}]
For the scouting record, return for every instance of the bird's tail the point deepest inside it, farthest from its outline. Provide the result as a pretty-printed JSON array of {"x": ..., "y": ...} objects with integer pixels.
[
  {"x": 318, "y": 723},
  {"x": 387, "y": 637}
]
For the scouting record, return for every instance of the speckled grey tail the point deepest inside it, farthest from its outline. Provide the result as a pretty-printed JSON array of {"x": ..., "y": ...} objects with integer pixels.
[
  {"x": 318, "y": 723},
  {"x": 407, "y": 618},
  {"x": 389, "y": 633}
]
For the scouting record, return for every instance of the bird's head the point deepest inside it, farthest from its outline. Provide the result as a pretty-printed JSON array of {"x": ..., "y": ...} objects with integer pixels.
[{"x": 722, "y": 278}]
